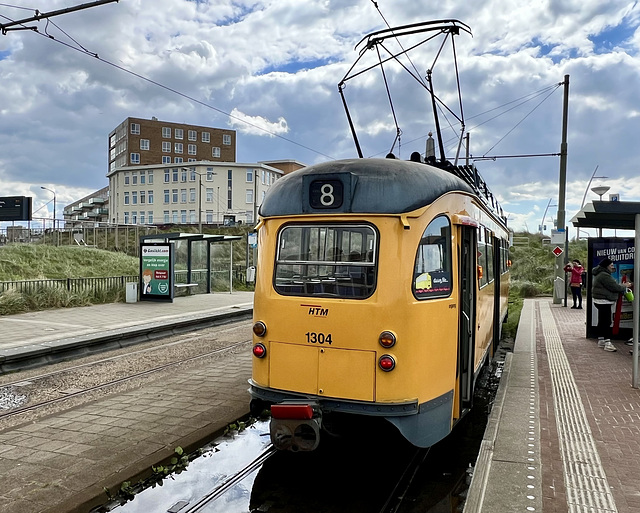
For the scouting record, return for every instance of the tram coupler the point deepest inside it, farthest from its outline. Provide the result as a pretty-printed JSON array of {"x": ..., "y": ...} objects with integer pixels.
[{"x": 295, "y": 426}]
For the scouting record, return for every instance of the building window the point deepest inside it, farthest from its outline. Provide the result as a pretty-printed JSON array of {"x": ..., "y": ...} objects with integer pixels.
[
  {"x": 263, "y": 177},
  {"x": 209, "y": 194},
  {"x": 179, "y": 133},
  {"x": 249, "y": 175},
  {"x": 134, "y": 217},
  {"x": 183, "y": 195},
  {"x": 142, "y": 217},
  {"x": 192, "y": 174},
  {"x": 249, "y": 216},
  {"x": 215, "y": 151},
  {"x": 150, "y": 197},
  {"x": 134, "y": 198},
  {"x": 166, "y": 159},
  {"x": 135, "y": 128},
  {"x": 249, "y": 196},
  {"x": 150, "y": 217},
  {"x": 143, "y": 197},
  {"x": 174, "y": 216},
  {"x": 165, "y": 214},
  {"x": 177, "y": 160},
  {"x": 192, "y": 195},
  {"x": 166, "y": 147},
  {"x": 142, "y": 177},
  {"x": 191, "y": 149},
  {"x": 166, "y": 132},
  {"x": 193, "y": 135},
  {"x": 134, "y": 178},
  {"x": 226, "y": 139},
  {"x": 177, "y": 148},
  {"x": 192, "y": 160},
  {"x": 183, "y": 216},
  {"x": 206, "y": 137},
  {"x": 135, "y": 158},
  {"x": 174, "y": 194},
  {"x": 210, "y": 174},
  {"x": 126, "y": 177},
  {"x": 144, "y": 144},
  {"x": 126, "y": 198},
  {"x": 166, "y": 196},
  {"x": 209, "y": 216},
  {"x": 150, "y": 175},
  {"x": 126, "y": 218},
  {"x": 192, "y": 216},
  {"x": 183, "y": 174},
  {"x": 229, "y": 189},
  {"x": 175, "y": 174},
  {"x": 167, "y": 176}
]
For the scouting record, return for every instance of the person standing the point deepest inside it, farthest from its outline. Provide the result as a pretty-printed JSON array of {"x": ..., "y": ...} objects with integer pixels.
[
  {"x": 575, "y": 281},
  {"x": 605, "y": 293}
]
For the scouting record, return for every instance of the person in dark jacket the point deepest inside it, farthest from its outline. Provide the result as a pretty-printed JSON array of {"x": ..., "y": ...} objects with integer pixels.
[{"x": 605, "y": 293}]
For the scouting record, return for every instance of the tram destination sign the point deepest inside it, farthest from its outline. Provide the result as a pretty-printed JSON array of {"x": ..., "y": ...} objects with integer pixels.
[{"x": 15, "y": 208}]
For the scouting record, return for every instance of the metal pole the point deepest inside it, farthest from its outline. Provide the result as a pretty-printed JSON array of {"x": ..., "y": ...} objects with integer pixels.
[
  {"x": 199, "y": 202},
  {"x": 636, "y": 308},
  {"x": 231, "y": 267},
  {"x": 563, "y": 179}
]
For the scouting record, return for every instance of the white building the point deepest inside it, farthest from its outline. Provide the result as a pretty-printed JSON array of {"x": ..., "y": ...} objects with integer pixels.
[{"x": 199, "y": 192}]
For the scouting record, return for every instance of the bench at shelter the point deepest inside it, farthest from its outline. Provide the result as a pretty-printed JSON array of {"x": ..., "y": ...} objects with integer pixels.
[{"x": 185, "y": 286}]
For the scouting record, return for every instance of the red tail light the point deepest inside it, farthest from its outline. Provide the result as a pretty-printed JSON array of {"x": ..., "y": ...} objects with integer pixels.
[
  {"x": 291, "y": 411},
  {"x": 387, "y": 362},
  {"x": 259, "y": 351}
]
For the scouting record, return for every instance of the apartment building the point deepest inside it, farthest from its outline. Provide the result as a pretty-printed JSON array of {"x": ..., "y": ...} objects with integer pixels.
[
  {"x": 93, "y": 208},
  {"x": 142, "y": 142},
  {"x": 201, "y": 192}
]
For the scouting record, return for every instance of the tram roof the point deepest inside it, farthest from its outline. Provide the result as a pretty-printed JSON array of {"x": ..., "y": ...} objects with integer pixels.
[{"x": 378, "y": 186}]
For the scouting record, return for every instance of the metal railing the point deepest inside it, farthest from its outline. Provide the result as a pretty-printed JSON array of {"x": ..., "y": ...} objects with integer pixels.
[{"x": 70, "y": 284}]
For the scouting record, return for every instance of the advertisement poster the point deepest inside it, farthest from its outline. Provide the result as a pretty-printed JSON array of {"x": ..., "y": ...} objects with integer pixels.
[
  {"x": 621, "y": 251},
  {"x": 156, "y": 272}
]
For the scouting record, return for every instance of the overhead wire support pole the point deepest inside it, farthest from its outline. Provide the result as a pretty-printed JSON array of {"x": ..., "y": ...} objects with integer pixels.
[
  {"x": 562, "y": 182},
  {"x": 4, "y": 27}
]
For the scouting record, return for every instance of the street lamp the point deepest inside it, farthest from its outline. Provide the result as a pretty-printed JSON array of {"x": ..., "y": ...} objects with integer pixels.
[
  {"x": 545, "y": 215},
  {"x": 54, "y": 206},
  {"x": 200, "y": 195},
  {"x": 593, "y": 177},
  {"x": 600, "y": 190}
]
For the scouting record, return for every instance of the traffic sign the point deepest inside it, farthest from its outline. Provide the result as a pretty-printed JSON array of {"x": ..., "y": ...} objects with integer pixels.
[{"x": 557, "y": 251}]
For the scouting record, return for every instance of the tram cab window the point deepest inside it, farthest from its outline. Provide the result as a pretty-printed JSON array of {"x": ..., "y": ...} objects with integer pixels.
[
  {"x": 432, "y": 272},
  {"x": 326, "y": 260}
]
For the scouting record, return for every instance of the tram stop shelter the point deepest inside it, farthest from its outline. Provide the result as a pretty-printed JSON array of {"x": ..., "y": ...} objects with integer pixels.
[
  {"x": 618, "y": 215},
  {"x": 193, "y": 276}
]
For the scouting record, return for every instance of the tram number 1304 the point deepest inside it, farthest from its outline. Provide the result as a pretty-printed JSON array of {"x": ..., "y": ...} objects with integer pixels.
[{"x": 318, "y": 338}]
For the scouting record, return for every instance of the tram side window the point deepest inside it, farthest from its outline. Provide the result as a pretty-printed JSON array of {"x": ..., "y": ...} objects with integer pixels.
[
  {"x": 432, "y": 271},
  {"x": 326, "y": 260},
  {"x": 490, "y": 260},
  {"x": 482, "y": 257}
]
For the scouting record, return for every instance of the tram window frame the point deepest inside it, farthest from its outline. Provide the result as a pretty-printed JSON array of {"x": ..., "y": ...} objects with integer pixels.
[
  {"x": 491, "y": 263},
  {"x": 427, "y": 273},
  {"x": 483, "y": 280},
  {"x": 325, "y": 259}
]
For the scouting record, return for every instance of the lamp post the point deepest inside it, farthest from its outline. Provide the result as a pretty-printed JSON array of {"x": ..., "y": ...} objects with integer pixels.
[
  {"x": 218, "y": 211},
  {"x": 54, "y": 209},
  {"x": 600, "y": 190},
  {"x": 593, "y": 177},
  {"x": 545, "y": 215}
]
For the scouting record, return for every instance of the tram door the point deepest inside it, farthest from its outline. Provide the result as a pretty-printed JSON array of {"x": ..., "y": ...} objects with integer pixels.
[{"x": 467, "y": 313}]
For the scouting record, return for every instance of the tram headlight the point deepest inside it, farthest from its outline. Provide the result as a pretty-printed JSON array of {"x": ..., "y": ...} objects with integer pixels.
[
  {"x": 387, "y": 362},
  {"x": 259, "y": 350},
  {"x": 387, "y": 339},
  {"x": 259, "y": 329}
]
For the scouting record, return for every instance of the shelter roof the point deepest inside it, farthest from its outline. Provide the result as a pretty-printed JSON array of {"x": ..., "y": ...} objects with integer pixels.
[{"x": 618, "y": 215}]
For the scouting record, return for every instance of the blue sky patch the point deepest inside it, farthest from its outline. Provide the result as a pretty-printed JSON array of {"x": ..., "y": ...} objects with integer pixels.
[
  {"x": 612, "y": 37},
  {"x": 4, "y": 54},
  {"x": 295, "y": 66},
  {"x": 240, "y": 13}
]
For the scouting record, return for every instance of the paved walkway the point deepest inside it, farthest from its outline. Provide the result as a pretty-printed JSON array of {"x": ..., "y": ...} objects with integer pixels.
[
  {"x": 564, "y": 432},
  {"x": 60, "y": 463}
]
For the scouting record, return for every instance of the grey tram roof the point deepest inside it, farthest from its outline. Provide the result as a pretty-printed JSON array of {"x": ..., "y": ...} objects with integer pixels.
[
  {"x": 378, "y": 186},
  {"x": 607, "y": 214}
]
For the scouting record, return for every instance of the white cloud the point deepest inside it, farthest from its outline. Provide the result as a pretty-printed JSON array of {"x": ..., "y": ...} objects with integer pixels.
[{"x": 257, "y": 125}]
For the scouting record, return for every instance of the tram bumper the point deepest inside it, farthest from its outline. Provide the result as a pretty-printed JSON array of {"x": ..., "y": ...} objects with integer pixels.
[{"x": 295, "y": 426}]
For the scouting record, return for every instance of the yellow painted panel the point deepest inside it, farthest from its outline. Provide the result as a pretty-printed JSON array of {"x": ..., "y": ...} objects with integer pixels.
[
  {"x": 294, "y": 367},
  {"x": 347, "y": 374}
]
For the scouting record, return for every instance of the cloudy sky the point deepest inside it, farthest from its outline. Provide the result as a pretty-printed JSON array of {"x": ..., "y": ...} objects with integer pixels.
[{"x": 270, "y": 69}]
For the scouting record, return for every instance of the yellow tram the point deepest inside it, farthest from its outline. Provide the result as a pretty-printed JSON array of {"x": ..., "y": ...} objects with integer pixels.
[{"x": 381, "y": 291}]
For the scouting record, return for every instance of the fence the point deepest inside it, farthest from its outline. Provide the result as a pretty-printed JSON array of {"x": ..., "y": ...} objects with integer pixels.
[{"x": 70, "y": 284}]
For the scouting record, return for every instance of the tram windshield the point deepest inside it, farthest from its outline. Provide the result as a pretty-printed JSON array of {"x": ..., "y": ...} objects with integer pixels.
[
  {"x": 326, "y": 260},
  {"x": 432, "y": 273}
]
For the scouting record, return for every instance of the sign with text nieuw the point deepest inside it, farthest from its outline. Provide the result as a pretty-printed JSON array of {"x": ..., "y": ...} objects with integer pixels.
[{"x": 156, "y": 272}]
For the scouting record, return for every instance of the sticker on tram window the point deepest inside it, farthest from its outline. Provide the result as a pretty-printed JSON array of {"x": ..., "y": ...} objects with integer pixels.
[
  {"x": 325, "y": 194},
  {"x": 433, "y": 283}
]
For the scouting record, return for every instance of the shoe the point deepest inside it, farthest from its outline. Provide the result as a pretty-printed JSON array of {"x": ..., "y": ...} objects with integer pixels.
[
  {"x": 573, "y": 307},
  {"x": 603, "y": 341},
  {"x": 580, "y": 307},
  {"x": 629, "y": 342},
  {"x": 608, "y": 346}
]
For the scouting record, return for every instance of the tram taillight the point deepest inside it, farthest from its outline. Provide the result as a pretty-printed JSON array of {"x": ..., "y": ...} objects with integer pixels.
[
  {"x": 259, "y": 351},
  {"x": 387, "y": 362},
  {"x": 387, "y": 339},
  {"x": 259, "y": 329}
]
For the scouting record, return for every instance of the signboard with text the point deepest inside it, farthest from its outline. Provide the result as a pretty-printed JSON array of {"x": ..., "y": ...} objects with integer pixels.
[
  {"x": 15, "y": 208},
  {"x": 156, "y": 272}
]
